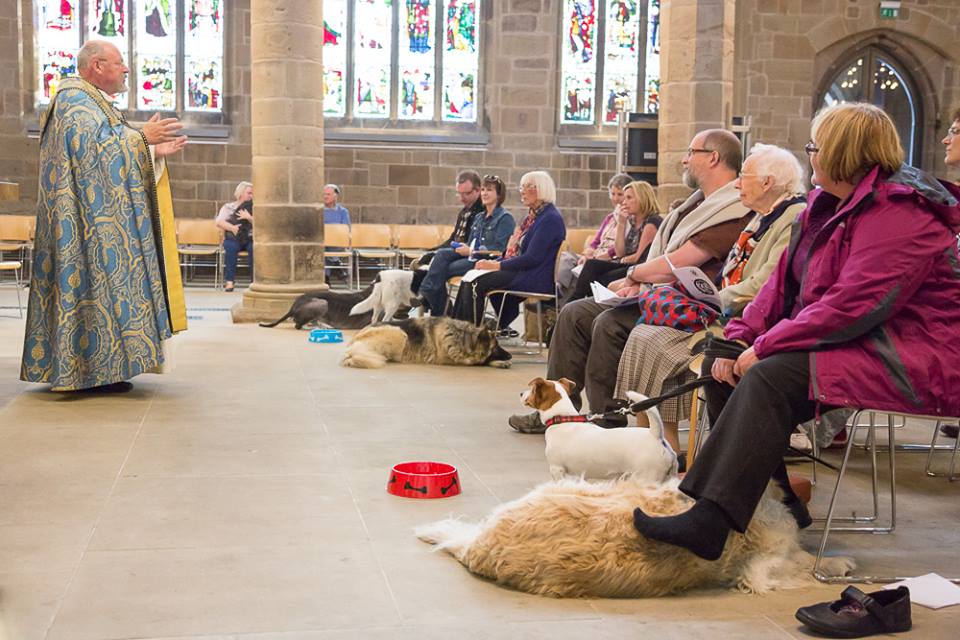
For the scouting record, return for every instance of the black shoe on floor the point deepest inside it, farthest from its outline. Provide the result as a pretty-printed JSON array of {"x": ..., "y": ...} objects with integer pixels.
[
  {"x": 857, "y": 614},
  {"x": 116, "y": 387}
]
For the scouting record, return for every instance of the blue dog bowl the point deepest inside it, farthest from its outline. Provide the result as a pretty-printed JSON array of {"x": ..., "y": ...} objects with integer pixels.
[{"x": 326, "y": 335}]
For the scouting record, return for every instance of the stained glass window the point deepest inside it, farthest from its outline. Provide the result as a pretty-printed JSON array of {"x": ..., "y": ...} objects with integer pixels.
[
  {"x": 107, "y": 20},
  {"x": 148, "y": 34},
  {"x": 652, "y": 75},
  {"x": 334, "y": 57},
  {"x": 58, "y": 38},
  {"x": 401, "y": 59},
  {"x": 203, "y": 55},
  {"x": 156, "y": 55},
  {"x": 605, "y": 44},
  {"x": 416, "y": 59},
  {"x": 579, "y": 61}
]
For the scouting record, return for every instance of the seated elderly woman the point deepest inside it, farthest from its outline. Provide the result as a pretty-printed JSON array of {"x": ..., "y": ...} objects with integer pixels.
[
  {"x": 489, "y": 232},
  {"x": 863, "y": 310},
  {"x": 637, "y": 221},
  {"x": 656, "y": 359},
  {"x": 529, "y": 262}
]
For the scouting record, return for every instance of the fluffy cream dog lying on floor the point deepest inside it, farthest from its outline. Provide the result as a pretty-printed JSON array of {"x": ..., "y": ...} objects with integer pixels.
[
  {"x": 586, "y": 449},
  {"x": 577, "y": 539}
]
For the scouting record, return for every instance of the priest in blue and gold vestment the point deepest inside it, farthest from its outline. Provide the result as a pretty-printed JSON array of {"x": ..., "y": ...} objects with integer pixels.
[{"x": 105, "y": 292}]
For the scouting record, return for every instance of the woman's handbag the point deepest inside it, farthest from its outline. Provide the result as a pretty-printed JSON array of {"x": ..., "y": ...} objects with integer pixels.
[{"x": 668, "y": 307}]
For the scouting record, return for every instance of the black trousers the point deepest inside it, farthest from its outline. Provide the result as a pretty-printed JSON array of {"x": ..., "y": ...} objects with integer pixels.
[
  {"x": 472, "y": 296},
  {"x": 752, "y": 423},
  {"x": 602, "y": 271}
]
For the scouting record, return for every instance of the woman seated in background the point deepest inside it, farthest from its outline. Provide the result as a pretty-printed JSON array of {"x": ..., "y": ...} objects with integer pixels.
[
  {"x": 489, "y": 233},
  {"x": 637, "y": 221},
  {"x": 656, "y": 359},
  {"x": 862, "y": 311},
  {"x": 602, "y": 247},
  {"x": 236, "y": 221},
  {"x": 529, "y": 262}
]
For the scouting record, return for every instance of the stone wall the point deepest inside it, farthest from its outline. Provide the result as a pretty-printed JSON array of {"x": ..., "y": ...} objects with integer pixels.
[
  {"x": 786, "y": 50},
  {"x": 783, "y": 48}
]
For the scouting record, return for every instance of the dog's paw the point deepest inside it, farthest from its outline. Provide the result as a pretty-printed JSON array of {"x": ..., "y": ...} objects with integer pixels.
[
  {"x": 837, "y": 565},
  {"x": 500, "y": 364}
]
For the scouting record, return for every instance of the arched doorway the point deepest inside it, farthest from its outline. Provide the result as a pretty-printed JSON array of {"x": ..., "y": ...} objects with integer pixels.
[{"x": 873, "y": 75}]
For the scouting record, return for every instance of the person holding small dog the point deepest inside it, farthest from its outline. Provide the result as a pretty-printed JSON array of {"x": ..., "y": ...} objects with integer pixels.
[
  {"x": 589, "y": 338},
  {"x": 863, "y": 310},
  {"x": 656, "y": 359},
  {"x": 236, "y": 221},
  {"x": 489, "y": 233},
  {"x": 529, "y": 261}
]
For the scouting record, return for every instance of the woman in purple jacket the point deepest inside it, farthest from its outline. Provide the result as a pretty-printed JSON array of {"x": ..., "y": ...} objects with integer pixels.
[
  {"x": 862, "y": 311},
  {"x": 529, "y": 262}
]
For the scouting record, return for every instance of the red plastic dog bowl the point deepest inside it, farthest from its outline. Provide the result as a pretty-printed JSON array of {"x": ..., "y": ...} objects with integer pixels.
[{"x": 423, "y": 480}]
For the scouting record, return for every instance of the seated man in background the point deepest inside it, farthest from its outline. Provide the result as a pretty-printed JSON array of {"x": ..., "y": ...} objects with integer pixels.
[
  {"x": 333, "y": 211},
  {"x": 468, "y": 191}
]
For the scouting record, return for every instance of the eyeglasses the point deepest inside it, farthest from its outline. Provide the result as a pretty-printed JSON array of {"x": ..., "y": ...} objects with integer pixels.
[
  {"x": 691, "y": 151},
  {"x": 953, "y": 132},
  {"x": 525, "y": 187},
  {"x": 811, "y": 148},
  {"x": 492, "y": 179}
]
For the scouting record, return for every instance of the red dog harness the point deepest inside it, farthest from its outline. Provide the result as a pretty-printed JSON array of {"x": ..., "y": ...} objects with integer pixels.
[{"x": 562, "y": 419}]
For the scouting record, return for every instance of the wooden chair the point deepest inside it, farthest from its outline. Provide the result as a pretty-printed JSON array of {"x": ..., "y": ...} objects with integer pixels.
[
  {"x": 372, "y": 243},
  {"x": 538, "y": 298},
  {"x": 16, "y": 236},
  {"x": 413, "y": 240},
  {"x": 577, "y": 239},
  {"x": 15, "y": 266},
  {"x": 199, "y": 242},
  {"x": 444, "y": 231},
  {"x": 337, "y": 250}
]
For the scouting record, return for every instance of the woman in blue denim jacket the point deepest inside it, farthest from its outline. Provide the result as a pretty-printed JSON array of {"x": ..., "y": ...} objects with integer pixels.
[{"x": 489, "y": 232}]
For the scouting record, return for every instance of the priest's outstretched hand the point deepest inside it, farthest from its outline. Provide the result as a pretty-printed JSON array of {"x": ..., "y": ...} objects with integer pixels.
[
  {"x": 169, "y": 148},
  {"x": 159, "y": 130}
]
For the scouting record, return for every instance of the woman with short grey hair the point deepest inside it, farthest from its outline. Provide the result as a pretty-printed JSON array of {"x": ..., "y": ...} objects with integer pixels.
[{"x": 236, "y": 221}]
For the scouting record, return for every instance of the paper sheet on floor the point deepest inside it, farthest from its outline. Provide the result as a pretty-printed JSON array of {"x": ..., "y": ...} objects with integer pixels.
[{"x": 932, "y": 591}]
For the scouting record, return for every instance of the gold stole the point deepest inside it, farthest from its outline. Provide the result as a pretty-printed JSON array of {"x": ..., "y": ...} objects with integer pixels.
[{"x": 171, "y": 256}]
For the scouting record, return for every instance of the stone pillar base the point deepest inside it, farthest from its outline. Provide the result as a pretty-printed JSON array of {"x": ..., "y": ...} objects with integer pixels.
[{"x": 267, "y": 302}]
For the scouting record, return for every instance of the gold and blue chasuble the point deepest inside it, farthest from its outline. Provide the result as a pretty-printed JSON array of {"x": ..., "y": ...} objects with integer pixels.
[{"x": 106, "y": 289}]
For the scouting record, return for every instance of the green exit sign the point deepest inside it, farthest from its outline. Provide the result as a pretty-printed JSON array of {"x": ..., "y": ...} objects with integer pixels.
[{"x": 889, "y": 9}]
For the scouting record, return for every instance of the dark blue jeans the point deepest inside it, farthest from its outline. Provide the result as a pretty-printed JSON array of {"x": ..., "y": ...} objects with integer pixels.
[
  {"x": 232, "y": 246},
  {"x": 446, "y": 264}
]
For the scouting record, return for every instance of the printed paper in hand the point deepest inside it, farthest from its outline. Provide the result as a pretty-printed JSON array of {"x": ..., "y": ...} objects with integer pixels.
[
  {"x": 577, "y": 270},
  {"x": 602, "y": 295},
  {"x": 696, "y": 284},
  {"x": 473, "y": 274}
]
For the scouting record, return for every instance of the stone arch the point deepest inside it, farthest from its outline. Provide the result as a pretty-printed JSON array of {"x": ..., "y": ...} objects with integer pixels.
[{"x": 921, "y": 60}]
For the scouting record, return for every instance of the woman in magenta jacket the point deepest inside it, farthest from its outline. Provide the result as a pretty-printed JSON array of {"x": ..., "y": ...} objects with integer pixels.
[{"x": 862, "y": 311}]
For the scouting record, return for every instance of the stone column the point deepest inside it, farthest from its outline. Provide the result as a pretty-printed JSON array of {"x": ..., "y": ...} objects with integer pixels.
[
  {"x": 696, "y": 90},
  {"x": 287, "y": 145}
]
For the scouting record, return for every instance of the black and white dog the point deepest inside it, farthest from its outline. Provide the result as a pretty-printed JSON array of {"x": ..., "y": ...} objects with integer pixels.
[{"x": 337, "y": 309}]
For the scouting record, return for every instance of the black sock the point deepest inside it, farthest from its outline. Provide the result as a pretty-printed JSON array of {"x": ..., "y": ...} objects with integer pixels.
[{"x": 702, "y": 530}]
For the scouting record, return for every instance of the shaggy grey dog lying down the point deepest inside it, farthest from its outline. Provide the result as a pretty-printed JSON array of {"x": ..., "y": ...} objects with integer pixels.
[{"x": 576, "y": 539}]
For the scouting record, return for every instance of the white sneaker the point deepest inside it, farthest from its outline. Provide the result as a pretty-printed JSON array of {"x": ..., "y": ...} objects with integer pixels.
[{"x": 801, "y": 442}]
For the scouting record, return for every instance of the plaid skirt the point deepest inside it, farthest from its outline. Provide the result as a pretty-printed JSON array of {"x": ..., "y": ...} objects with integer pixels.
[{"x": 655, "y": 360}]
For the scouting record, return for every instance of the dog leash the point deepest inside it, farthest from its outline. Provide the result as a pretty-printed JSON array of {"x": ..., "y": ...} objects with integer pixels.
[{"x": 715, "y": 348}]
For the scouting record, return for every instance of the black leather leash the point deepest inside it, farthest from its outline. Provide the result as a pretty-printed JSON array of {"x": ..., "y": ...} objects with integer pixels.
[{"x": 715, "y": 348}]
